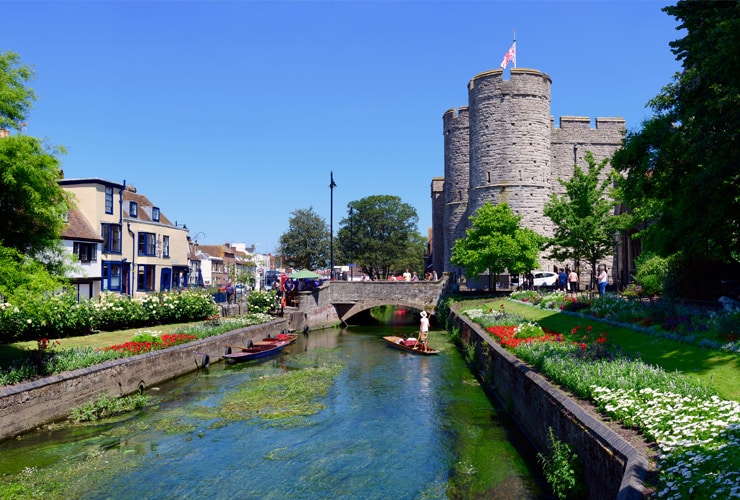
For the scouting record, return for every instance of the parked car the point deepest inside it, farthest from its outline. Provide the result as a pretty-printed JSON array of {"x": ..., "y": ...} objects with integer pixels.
[{"x": 544, "y": 278}]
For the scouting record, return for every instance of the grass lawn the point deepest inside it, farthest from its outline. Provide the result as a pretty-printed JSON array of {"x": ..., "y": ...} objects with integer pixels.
[
  {"x": 716, "y": 369},
  {"x": 9, "y": 352}
]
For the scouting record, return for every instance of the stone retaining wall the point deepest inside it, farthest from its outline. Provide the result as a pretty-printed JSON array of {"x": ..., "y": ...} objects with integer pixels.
[
  {"x": 612, "y": 467},
  {"x": 29, "y": 405}
]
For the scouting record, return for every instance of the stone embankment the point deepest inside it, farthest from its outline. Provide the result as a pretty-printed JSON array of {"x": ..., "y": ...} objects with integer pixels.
[
  {"x": 26, "y": 406},
  {"x": 613, "y": 468}
]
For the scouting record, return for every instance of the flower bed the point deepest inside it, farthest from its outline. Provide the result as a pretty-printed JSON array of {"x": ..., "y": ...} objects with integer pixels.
[
  {"x": 697, "y": 432},
  {"x": 712, "y": 330},
  {"x": 48, "y": 360},
  {"x": 139, "y": 347}
]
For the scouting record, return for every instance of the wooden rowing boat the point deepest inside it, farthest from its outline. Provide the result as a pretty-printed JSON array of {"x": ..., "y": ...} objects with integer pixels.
[
  {"x": 281, "y": 337},
  {"x": 239, "y": 354},
  {"x": 409, "y": 345}
]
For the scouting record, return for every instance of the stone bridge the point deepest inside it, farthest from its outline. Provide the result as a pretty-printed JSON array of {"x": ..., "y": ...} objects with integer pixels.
[{"x": 347, "y": 298}]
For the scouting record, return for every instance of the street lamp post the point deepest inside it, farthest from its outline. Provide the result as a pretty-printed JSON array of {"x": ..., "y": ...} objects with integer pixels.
[
  {"x": 351, "y": 244},
  {"x": 332, "y": 185}
]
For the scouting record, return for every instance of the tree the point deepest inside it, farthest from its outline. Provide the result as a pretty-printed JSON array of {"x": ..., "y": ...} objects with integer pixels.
[
  {"x": 413, "y": 257},
  {"x": 305, "y": 245},
  {"x": 382, "y": 234},
  {"x": 22, "y": 277},
  {"x": 681, "y": 170},
  {"x": 32, "y": 204},
  {"x": 496, "y": 242},
  {"x": 16, "y": 98},
  {"x": 585, "y": 224}
]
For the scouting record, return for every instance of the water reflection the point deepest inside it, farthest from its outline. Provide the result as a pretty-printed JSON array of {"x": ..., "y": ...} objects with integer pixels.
[{"x": 394, "y": 425}]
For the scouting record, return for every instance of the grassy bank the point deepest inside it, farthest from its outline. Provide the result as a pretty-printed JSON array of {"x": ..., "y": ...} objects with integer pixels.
[{"x": 717, "y": 369}]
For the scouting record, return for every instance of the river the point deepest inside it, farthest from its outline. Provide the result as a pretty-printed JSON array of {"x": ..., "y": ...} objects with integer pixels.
[{"x": 389, "y": 425}]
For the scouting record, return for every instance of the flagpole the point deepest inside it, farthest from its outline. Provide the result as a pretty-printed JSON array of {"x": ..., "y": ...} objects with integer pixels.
[{"x": 517, "y": 56}]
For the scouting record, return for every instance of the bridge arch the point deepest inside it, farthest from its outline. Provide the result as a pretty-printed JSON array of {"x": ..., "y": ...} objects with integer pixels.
[{"x": 347, "y": 311}]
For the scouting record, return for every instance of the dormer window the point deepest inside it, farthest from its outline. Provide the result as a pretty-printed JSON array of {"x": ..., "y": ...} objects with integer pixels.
[
  {"x": 155, "y": 214},
  {"x": 133, "y": 209}
]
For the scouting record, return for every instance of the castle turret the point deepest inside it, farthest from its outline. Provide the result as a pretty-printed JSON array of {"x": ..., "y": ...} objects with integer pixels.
[
  {"x": 457, "y": 179},
  {"x": 510, "y": 143}
]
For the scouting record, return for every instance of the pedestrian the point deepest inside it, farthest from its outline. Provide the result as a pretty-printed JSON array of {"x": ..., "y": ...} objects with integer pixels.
[
  {"x": 407, "y": 276},
  {"x": 573, "y": 280},
  {"x": 603, "y": 280},
  {"x": 562, "y": 279},
  {"x": 434, "y": 276},
  {"x": 424, "y": 330},
  {"x": 414, "y": 277},
  {"x": 230, "y": 293}
]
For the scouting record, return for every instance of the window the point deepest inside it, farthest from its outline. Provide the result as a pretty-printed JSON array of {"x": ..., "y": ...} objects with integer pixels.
[
  {"x": 155, "y": 214},
  {"x": 166, "y": 247},
  {"x": 111, "y": 275},
  {"x": 133, "y": 209},
  {"x": 145, "y": 277},
  {"x": 109, "y": 200},
  {"x": 85, "y": 252},
  {"x": 111, "y": 234},
  {"x": 147, "y": 244}
]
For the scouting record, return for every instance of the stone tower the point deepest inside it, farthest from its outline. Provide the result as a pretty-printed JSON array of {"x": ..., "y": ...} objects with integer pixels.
[
  {"x": 504, "y": 148},
  {"x": 510, "y": 143},
  {"x": 456, "y": 179}
]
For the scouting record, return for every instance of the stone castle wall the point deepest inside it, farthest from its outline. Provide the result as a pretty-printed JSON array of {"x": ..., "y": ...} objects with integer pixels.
[{"x": 505, "y": 148}]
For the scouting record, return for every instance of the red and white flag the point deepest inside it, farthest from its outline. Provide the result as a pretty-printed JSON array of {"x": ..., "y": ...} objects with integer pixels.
[{"x": 509, "y": 57}]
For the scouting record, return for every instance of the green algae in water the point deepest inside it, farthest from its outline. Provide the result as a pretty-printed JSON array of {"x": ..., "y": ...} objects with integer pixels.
[{"x": 269, "y": 395}]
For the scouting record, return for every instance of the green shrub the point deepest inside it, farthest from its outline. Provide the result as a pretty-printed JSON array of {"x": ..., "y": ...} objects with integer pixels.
[
  {"x": 60, "y": 315},
  {"x": 563, "y": 469},
  {"x": 262, "y": 302},
  {"x": 651, "y": 273},
  {"x": 107, "y": 406},
  {"x": 152, "y": 337}
]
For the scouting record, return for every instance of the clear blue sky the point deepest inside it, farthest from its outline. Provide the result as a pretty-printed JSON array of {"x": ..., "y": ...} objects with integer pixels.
[{"x": 230, "y": 115}]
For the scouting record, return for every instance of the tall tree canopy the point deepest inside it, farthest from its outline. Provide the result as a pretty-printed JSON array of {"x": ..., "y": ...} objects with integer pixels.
[
  {"x": 16, "y": 98},
  {"x": 32, "y": 204},
  {"x": 305, "y": 245},
  {"x": 682, "y": 175},
  {"x": 496, "y": 242},
  {"x": 382, "y": 234},
  {"x": 584, "y": 216}
]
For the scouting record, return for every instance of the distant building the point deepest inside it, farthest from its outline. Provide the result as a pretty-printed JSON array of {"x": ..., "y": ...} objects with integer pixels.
[{"x": 141, "y": 251}]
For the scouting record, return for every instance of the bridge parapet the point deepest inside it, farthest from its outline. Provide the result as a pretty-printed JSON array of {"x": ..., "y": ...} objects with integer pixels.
[
  {"x": 419, "y": 292},
  {"x": 343, "y": 299}
]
